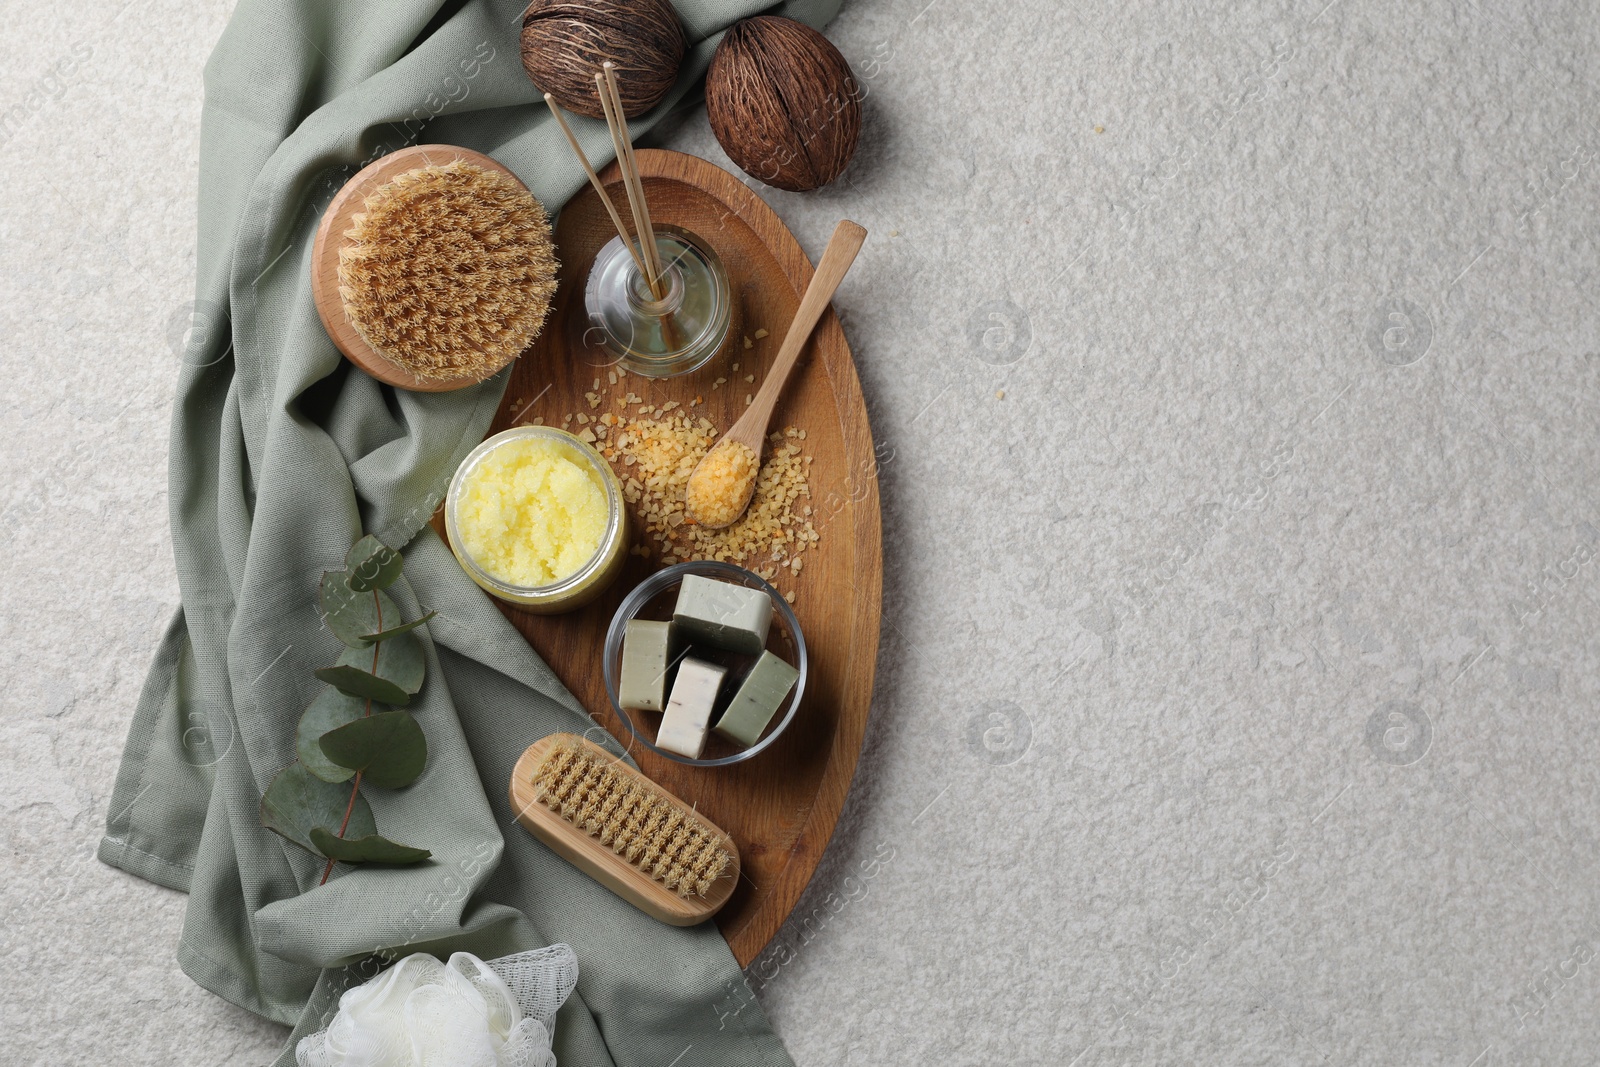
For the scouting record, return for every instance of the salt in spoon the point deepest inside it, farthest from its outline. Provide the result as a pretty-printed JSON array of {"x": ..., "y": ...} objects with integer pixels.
[{"x": 722, "y": 484}]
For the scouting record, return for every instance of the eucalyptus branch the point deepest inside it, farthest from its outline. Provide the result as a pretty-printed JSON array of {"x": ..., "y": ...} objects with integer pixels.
[{"x": 340, "y": 737}]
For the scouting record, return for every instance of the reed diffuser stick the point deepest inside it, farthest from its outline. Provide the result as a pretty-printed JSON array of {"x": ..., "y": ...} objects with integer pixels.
[
  {"x": 633, "y": 166},
  {"x": 599, "y": 187},
  {"x": 606, "y": 85}
]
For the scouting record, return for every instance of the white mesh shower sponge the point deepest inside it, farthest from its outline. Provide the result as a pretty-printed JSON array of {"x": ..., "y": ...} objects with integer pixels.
[{"x": 464, "y": 1013}]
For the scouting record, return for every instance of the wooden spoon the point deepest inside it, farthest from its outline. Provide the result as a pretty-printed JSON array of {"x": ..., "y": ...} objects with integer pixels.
[{"x": 721, "y": 486}]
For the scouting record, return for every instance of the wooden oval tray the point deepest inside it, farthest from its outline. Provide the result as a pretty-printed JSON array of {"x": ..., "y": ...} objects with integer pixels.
[{"x": 781, "y": 806}]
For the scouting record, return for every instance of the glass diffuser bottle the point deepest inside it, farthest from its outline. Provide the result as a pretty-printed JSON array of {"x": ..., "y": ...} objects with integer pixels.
[{"x": 677, "y": 332}]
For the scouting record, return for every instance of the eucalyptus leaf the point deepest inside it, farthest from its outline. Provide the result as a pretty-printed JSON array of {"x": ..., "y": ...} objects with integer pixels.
[
  {"x": 389, "y": 749},
  {"x": 297, "y": 803},
  {"x": 359, "y": 683},
  {"x": 370, "y": 848},
  {"x": 352, "y": 615},
  {"x": 371, "y": 564},
  {"x": 399, "y": 671},
  {"x": 331, "y": 710},
  {"x": 400, "y": 660},
  {"x": 396, "y": 631}
]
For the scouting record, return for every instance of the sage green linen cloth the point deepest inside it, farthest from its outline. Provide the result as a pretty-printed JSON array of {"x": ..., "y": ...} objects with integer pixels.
[{"x": 282, "y": 455}]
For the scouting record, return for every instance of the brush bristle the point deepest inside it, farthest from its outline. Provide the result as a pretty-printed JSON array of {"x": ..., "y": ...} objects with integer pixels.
[
  {"x": 650, "y": 830},
  {"x": 449, "y": 270}
]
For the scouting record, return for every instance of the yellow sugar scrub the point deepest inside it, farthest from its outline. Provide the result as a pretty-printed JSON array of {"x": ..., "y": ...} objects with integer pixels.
[
  {"x": 535, "y": 517},
  {"x": 531, "y": 513},
  {"x": 719, "y": 489}
]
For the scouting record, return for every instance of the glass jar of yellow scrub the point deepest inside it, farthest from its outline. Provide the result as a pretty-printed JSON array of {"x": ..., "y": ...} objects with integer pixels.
[{"x": 535, "y": 517}]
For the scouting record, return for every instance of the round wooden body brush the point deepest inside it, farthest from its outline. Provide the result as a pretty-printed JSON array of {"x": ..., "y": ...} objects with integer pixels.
[{"x": 433, "y": 268}]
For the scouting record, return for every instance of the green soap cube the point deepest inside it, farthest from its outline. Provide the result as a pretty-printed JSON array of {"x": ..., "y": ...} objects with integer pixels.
[
  {"x": 646, "y": 654},
  {"x": 757, "y": 700},
  {"x": 722, "y": 615}
]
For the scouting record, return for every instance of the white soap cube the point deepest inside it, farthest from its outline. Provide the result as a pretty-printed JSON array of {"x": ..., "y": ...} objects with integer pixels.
[{"x": 688, "y": 716}]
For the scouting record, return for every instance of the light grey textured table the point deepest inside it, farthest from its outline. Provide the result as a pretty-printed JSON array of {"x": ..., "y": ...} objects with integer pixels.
[{"x": 1238, "y": 375}]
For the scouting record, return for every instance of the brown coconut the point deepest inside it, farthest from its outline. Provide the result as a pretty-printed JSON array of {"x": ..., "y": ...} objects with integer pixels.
[
  {"x": 783, "y": 103},
  {"x": 564, "y": 42}
]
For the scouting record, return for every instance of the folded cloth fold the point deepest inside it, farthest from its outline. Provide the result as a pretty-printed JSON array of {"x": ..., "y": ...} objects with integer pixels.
[{"x": 282, "y": 455}]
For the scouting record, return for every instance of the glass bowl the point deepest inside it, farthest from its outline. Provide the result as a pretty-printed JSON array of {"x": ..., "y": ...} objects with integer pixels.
[
  {"x": 654, "y": 598},
  {"x": 589, "y": 580}
]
